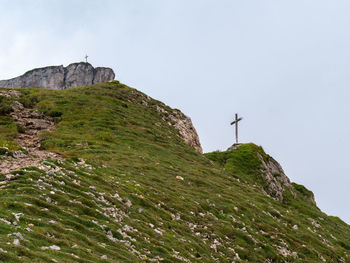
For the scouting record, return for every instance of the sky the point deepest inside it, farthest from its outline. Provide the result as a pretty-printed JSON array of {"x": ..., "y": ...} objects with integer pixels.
[{"x": 282, "y": 65}]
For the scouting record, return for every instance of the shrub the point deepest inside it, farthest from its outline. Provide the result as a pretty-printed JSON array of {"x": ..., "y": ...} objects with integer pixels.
[
  {"x": 54, "y": 113},
  {"x": 20, "y": 128},
  {"x": 5, "y": 109},
  {"x": 3, "y": 150}
]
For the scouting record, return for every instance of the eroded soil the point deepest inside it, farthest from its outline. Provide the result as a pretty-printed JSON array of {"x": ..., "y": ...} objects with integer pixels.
[{"x": 33, "y": 123}]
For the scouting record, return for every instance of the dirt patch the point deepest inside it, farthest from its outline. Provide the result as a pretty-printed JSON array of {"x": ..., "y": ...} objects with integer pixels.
[{"x": 33, "y": 123}]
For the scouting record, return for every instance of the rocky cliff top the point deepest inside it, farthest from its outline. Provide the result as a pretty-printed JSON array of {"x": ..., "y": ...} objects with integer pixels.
[{"x": 59, "y": 77}]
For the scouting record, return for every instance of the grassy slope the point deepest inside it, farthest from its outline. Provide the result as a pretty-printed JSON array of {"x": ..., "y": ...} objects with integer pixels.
[
  {"x": 8, "y": 129},
  {"x": 138, "y": 209}
]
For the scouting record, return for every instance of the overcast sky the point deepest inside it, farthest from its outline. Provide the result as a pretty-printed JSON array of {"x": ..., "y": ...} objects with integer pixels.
[{"x": 282, "y": 65}]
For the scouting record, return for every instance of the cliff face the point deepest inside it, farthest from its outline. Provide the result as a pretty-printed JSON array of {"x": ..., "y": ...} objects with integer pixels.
[{"x": 59, "y": 77}]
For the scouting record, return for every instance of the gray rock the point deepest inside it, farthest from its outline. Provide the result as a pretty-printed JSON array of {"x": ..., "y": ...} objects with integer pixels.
[
  {"x": 59, "y": 77},
  {"x": 183, "y": 124},
  {"x": 277, "y": 181}
]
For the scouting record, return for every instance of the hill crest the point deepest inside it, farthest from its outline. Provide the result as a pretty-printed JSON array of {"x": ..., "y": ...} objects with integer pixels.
[{"x": 129, "y": 189}]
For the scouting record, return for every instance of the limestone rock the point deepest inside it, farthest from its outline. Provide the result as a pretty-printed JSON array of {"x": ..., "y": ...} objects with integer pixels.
[
  {"x": 59, "y": 77},
  {"x": 183, "y": 124},
  {"x": 103, "y": 75},
  {"x": 276, "y": 180}
]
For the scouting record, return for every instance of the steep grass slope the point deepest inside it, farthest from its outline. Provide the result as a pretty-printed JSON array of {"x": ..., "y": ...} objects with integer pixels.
[{"x": 130, "y": 190}]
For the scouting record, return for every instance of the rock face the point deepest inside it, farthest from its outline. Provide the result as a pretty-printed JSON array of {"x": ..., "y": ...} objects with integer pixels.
[
  {"x": 59, "y": 77},
  {"x": 183, "y": 124},
  {"x": 276, "y": 180}
]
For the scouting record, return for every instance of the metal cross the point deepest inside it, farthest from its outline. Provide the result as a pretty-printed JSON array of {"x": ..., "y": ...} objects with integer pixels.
[
  {"x": 236, "y": 124},
  {"x": 86, "y": 56}
]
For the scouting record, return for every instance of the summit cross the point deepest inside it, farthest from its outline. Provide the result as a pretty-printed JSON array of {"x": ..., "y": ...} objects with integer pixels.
[
  {"x": 236, "y": 124},
  {"x": 86, "y": 56}
]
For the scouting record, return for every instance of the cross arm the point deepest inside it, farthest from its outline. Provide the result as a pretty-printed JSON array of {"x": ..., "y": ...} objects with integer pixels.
[{"x": 236, "y": 121}]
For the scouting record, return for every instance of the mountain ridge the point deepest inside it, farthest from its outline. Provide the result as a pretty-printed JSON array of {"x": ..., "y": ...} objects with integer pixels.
[
  {"x": 59, "y": 77},
  {"x": 129, "y": 188}
]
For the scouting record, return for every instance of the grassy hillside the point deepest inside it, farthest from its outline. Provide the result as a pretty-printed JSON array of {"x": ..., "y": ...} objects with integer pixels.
[{"x": 130, "y": 190}]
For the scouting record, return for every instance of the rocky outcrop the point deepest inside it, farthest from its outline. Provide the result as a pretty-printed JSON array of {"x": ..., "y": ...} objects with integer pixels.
[
  {"x": 276, "y": 180},
  {"x": 173, "y": 117},
  {"x": 183, "y": 124},
  {"x": 32, "y": 123},
  {"x": 59, "y": 77}
]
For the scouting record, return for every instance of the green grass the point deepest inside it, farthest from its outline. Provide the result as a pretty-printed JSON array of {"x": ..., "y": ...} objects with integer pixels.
[
  {"x": 216, "y": 212},
  {"x": 8, "y": 129}
]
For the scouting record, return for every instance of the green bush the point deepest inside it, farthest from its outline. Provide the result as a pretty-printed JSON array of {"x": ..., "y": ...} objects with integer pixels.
[
  {"x": 3, "y": 150},
  {"x": 303, "y": 190},
  {"x": 20, "y": 128},
  {"x": 54, "y": 113},
  {"x": 5, "y": 109}
]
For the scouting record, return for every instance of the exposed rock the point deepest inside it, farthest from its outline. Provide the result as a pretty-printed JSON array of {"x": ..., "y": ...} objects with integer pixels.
[
  {"x": 10, "y": 93},
  {"x": 33, "y": 122},
  {"x": 276, "y": 180},
  {"x": 234, "y": 146},
  {"x": 59, "y": 77},
  {"x": 184, "y": 125}
]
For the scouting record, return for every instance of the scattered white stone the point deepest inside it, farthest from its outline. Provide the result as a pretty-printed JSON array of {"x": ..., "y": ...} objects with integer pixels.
[
  {"x": 235, "y": 208},
  {"x": 53, "y": 222},
  {"x": 52, "y": 192},
  {"x": 180, "y": 178},
  {"x": 54, "y": 247},
  {"x": 16, "y": 242},
  {"x": 128, "y": 203},
  {"x": 5, "y": 221},
  {"x": 2, "y": 251},
  {"x": 104, "y": 257},
  {"x": 295, "y": 227},
  {"x": 19, "y": 235},
  {"x": 334, "y": 237},
  {"x": 158, "y": 231},
  {"x": 110, "y": 236},
  {"x": 314, "y": 223},
  {"x": 322, "y": 258},
  {"x": 17, "y": 216}
]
